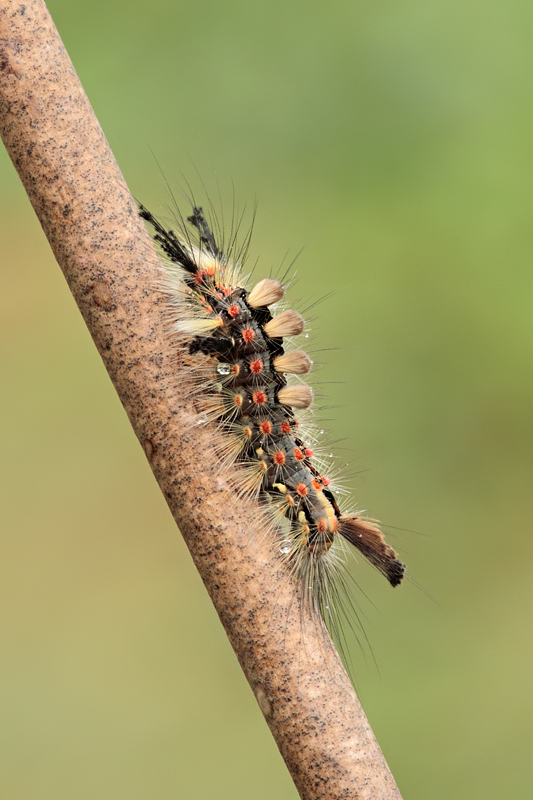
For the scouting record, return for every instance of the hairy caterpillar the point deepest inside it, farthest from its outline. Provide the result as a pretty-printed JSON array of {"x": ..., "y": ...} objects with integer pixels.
[{"x": 239, "y": 368}]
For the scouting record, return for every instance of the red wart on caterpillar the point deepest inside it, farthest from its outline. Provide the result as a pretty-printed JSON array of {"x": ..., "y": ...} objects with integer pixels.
[{"x": 241, "y": 376}]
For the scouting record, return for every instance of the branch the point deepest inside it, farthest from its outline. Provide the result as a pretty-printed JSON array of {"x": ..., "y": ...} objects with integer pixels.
[{"x": 107, "y": 257}]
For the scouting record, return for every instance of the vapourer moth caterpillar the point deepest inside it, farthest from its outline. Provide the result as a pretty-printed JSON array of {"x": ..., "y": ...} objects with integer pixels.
[{"x": 240, "y": 345}]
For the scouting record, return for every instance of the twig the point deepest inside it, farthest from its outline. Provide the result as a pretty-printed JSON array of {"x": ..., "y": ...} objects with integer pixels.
[{"x": 91, "y": 222}]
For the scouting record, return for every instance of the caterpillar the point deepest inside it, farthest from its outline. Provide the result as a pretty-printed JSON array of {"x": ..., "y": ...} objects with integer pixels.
[{"x": 239, "y": 363}]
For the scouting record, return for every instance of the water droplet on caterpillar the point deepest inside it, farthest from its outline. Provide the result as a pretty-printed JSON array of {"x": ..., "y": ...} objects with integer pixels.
[
  {"x": 285, "y": 547},
  {"x": 223, "y": 369}
]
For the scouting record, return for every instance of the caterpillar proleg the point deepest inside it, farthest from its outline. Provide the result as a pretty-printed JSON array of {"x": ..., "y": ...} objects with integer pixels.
[{"x": 236, "y": 341}]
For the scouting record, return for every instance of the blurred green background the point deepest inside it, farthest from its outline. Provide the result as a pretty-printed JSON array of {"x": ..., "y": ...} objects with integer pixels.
[{"x": 393, "y": 141}]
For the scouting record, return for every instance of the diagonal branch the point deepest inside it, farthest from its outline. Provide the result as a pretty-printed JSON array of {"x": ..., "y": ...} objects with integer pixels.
[{"x": 91, "y": 222}]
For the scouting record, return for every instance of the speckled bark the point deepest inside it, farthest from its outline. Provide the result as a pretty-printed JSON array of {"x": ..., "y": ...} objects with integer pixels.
[{"x": 108, "y": 259}]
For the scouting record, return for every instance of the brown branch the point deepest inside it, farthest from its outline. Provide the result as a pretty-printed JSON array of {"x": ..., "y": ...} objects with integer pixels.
[{"x": 91, "y": 222}]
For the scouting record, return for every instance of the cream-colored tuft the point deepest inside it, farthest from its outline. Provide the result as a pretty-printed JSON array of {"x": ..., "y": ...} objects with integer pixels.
[
  {"x": 297, "y": 363},
  {"x": 296, "y": 396},
  {"x": 289, "y": 323},
  {"x": 196, "y": 325},
  {"x": 265, "y": 293}
]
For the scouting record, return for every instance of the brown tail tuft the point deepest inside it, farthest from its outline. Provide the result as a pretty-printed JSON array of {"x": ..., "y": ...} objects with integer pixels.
[{"x": 367, "y": 537}]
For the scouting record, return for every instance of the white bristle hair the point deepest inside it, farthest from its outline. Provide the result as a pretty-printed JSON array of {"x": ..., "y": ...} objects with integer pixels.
[
  {"x": 288, "y": 323},
  {"x": 296, "y": 363}
]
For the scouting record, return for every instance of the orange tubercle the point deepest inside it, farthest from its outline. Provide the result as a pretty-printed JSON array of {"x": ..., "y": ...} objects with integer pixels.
[{"x": 259, "y": 398}]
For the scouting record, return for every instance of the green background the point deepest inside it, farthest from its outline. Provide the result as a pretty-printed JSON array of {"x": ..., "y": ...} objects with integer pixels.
[{"x": 393, "y": 141}]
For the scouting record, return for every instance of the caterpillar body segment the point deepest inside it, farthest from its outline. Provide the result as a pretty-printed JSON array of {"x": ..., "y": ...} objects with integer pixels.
[{"x": 238, "y": 344}]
